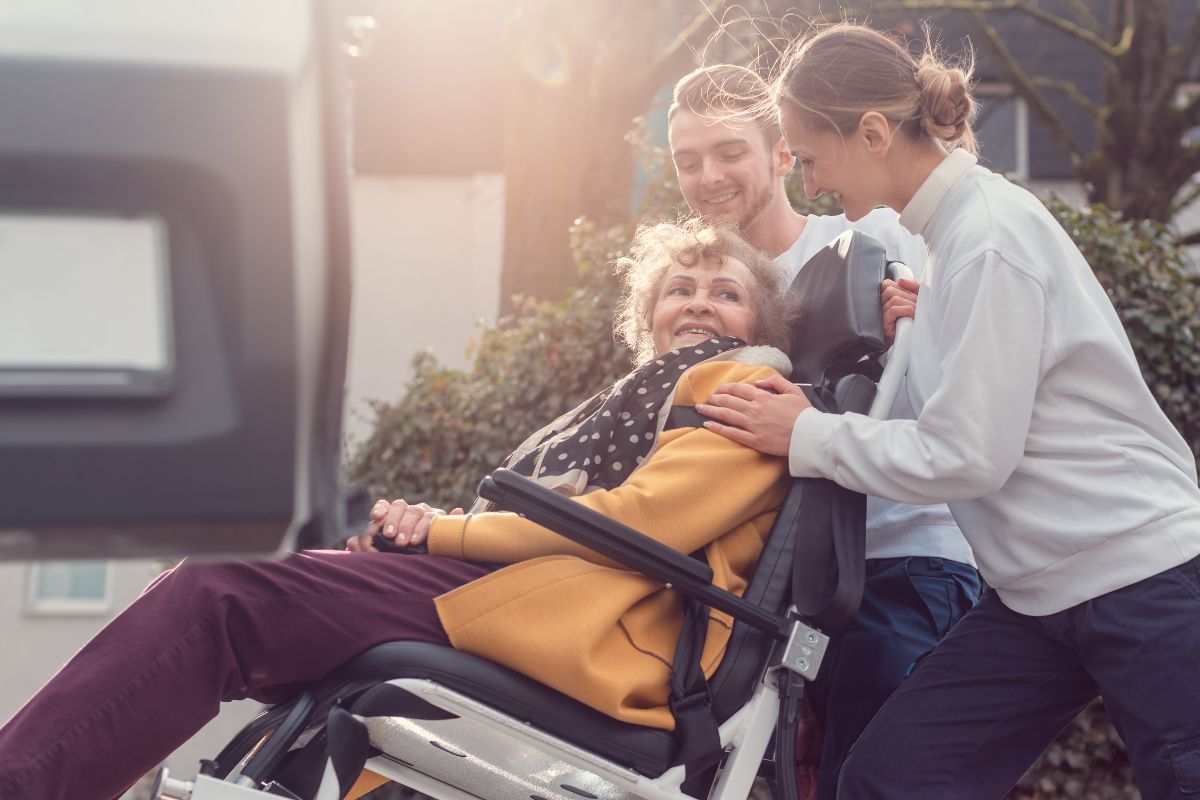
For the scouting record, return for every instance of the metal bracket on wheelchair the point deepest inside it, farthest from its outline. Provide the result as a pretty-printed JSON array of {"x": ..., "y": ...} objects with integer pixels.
[
  {"x": 804, "y": 650},
  {"x": 202, "y": 788}
]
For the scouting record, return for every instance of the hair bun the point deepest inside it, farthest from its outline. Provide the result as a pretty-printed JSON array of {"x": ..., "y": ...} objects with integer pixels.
[{"x": 946, "y": 104}]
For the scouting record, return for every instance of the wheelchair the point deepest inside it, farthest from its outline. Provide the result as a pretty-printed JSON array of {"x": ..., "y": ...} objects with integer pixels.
[{"x": 453, "y": 726}]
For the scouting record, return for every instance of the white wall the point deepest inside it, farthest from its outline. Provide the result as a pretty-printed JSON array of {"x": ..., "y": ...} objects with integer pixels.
[{"x": 427, "y": 256}]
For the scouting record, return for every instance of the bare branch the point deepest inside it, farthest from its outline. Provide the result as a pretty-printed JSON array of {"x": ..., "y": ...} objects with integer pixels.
[
  {"x": 1192, "y": 193},
  {"x": 1071, "y": 90},
  {"x": 675, "y": 58},
  {"x": 1090, "y": 37},
  {"x": 1085, "y": 16},
  {"x": 1189, "y": 239},
  {"x": 1096, "y": 40},
  {"x": 1184, "y": 200},
  {"x": 1191, "y": 111},
  {"x": 1029, "y": 90}
]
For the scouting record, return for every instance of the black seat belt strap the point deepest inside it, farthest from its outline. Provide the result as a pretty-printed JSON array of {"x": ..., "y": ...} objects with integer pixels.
[
  {"x": 698, "y": 741},
  {"x": 684, "y": 417},
  {"x": 689, "y": 417}
]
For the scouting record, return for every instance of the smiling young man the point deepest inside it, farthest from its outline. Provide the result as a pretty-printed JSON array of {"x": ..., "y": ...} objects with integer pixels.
[{"x": 731, "y": 160}]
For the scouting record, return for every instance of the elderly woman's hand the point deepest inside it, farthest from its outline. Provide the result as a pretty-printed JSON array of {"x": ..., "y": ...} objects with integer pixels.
[
  {"x": 898, "y": 300},
  {"x": 398, "y": 520}
]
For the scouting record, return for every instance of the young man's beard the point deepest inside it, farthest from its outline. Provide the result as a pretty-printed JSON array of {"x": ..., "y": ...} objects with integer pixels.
[{"x": 761, "y": 202}]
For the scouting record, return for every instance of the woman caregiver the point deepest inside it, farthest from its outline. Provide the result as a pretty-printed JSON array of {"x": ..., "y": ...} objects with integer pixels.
[{"x": 1076, "y": 493}]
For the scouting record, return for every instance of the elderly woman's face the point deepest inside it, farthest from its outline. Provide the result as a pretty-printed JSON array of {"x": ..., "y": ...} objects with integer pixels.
[{"x": 702, "y": 301}]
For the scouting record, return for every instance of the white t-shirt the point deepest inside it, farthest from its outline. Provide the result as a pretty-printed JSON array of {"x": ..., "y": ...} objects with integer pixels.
[
  {"x": 882, "y": 223},
  {"x": 1034, "y": 420},
  {"x": 893, "y": 529}
]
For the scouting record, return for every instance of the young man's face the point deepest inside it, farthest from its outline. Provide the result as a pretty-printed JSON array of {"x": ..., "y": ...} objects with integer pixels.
[{"x": 727, "y": 171}]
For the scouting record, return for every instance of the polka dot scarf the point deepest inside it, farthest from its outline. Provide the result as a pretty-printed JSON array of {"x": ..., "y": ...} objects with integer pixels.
[{"x": 600, "y": 442}]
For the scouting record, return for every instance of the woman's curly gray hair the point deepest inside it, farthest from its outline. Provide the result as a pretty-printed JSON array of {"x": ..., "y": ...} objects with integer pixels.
[{"x": 691, "y": 242}]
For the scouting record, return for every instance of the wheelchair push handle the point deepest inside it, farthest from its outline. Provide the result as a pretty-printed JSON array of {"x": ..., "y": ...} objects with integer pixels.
[
  {"x": 689, "y": 576},
  {"x": 897, "y": 359}
]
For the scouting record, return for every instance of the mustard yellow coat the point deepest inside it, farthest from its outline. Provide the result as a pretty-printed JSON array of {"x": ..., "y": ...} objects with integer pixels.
[{"x": 573, "y": 620}]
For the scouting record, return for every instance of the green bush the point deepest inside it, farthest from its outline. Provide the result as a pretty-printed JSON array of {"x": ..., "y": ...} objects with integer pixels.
[
  {"x": 452, "y": 427},
  {"x": 1155, "y": 288}
]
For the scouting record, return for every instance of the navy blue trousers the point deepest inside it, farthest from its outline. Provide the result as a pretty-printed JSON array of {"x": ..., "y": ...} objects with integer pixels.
[
  {"x": 908, "y": 606},
  {"x": 992, "y": 696}
]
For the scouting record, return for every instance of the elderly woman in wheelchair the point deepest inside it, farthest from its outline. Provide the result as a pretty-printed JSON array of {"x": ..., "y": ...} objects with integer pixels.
[{"x": 560, "y": 627}]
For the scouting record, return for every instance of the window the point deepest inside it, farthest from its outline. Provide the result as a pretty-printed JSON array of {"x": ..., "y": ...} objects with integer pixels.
[
  {"x": 1002, "y": 128},
  {"x": 69, "y": 587}
]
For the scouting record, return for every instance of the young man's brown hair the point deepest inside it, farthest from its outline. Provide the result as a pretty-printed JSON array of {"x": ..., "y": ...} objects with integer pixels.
[{"x": 727, "y": 91}]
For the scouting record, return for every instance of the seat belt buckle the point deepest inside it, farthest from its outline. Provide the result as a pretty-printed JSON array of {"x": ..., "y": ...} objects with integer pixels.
[{"x": 681, "y": 706}]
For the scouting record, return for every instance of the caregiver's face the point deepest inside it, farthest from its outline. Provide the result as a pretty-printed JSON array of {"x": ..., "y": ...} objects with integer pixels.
[
  {"x": 703, "y": 301},
  {"x": 830, "y": 164}
]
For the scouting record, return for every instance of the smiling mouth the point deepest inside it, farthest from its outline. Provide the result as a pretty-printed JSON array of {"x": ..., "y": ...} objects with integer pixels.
[
  {"x": 697, "y": 330},
  {"x": 721, "y": 198}
]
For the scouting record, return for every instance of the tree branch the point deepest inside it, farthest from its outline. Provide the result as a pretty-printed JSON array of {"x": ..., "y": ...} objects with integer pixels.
[
  {"x": 1191, "y": 111},
  {"x": 1028, "y": 89},
  {"x": 1085, "y": 16},
  {"x": 1176, "y": 176},
  {"x": 1189, "y": 239},
  {"x": 1184, "y": 199},
  {"x": 1071, "y": 90},
  {"x": 1090, "y": 37},
  {"x": 676, "y": 56}
]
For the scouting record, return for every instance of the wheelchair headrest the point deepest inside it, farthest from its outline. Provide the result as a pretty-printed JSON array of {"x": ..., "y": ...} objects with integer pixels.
[{"x": 835, "y": 303}]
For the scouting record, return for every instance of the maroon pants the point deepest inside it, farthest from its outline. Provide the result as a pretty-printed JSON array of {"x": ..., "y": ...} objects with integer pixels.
[{"x": 203, "y": 633}]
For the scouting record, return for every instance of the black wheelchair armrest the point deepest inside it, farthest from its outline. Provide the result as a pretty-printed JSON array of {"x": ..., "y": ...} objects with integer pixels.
[
  {"x": 513, "y": 492},
  {"x": 830, "y": 555}
]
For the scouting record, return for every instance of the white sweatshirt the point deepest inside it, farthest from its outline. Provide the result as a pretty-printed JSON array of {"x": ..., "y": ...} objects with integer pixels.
[
  {"x": 1033, "y": 418},
  {"x": 894, "y": 529}
]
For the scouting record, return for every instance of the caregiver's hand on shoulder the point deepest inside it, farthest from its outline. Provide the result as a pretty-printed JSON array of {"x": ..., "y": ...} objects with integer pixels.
[
  {"x": 759, "y": 416},
  {"x": 898, "y": 300},
  {"x": 406, "y": 524}
]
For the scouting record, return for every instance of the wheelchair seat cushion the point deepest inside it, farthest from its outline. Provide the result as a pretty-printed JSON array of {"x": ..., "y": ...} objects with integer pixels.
[{"x": 645, "y": 750}]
